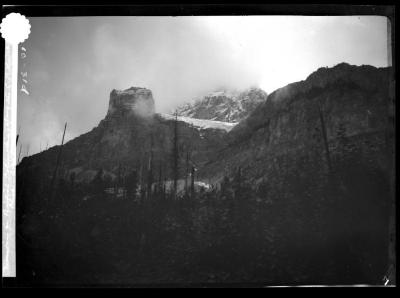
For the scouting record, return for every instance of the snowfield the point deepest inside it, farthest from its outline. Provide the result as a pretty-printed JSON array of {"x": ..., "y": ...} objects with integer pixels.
[{"x": 202, "y": 123}]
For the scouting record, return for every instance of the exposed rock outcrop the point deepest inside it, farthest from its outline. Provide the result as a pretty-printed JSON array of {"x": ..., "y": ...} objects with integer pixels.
[
  {"x": 133, "y": 100},
  {"x": 224, "y": 105},
  {"x": 124, "y": 139},
  {"x": 354, "y": 102}
]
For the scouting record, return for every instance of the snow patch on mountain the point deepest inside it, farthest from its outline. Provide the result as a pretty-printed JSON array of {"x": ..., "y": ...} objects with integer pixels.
[
  {"x": 202, "y": 123},
  {"x": 224, "y": 105}
]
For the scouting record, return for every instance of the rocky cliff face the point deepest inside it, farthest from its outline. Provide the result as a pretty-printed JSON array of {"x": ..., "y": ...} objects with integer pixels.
[
  {"x": 224, "y": 105},
  {"x": 125, "y": 139},
  {"x": 133, "y": 100},
  {"x": 354, "y": 103}
]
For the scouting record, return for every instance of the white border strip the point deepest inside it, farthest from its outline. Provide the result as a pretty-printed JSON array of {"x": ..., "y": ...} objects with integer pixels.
[{"x": 9, "y": 158}]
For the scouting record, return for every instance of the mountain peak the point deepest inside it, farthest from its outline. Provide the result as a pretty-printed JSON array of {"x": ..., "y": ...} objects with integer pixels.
[
  {"x": 343, "y": 69},
  {"x": 135, "y": 100},
  {"x": 224, "y": 105}
]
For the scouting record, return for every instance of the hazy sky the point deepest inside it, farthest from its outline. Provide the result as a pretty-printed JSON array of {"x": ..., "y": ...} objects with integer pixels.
[{"x": 74, "y": 63}]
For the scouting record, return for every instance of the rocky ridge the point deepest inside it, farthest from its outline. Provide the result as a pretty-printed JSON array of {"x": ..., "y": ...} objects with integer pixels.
[{"x": 224, "y": 105}]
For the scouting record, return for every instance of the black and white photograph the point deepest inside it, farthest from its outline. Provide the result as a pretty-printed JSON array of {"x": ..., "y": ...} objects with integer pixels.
[{"x": 202, "y": 149}]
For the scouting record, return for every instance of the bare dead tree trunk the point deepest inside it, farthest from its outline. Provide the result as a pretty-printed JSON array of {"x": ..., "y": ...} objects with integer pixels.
[
  {"x": 123, "y": 182},
  {"x": 325, "y": 138},
  {"x": 238, "y": 183},
  {"x": 118, "y": 180},
  {"x": 150, "y": 169},
  {"x": 192, "y": 183},
  {"x": 159, "y": 178},
  {"x": 57, "y": 163},
  {"x": 390, "y": 154},
  {"x": 140, "y": 180},
  {"x": 23, "y": 178},
  {"x": 187, "y": 172},
  {"x": 164, "y": 186},
  {"x": 19, "y": 154},
  {"x": 175, "y": 155}
]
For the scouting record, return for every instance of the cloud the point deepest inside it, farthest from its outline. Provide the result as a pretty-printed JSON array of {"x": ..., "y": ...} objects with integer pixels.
[
  {"x": 74, "y": 63},
  {"x": 178, "y": 59}
]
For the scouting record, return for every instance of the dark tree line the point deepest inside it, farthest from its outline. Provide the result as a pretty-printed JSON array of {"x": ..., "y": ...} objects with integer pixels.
[{"x": 301, "y": 224}]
